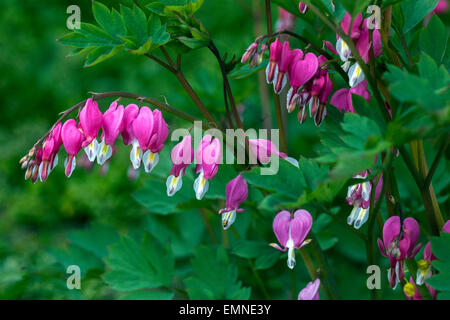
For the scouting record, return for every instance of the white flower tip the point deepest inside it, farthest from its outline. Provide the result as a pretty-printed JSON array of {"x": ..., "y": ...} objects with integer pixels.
[
  {"x": 200, "y": 186},
  {"x": 173, "y": 184},
  {"x": 150, "y": 160},
  {"x": 292, "y": 161}
]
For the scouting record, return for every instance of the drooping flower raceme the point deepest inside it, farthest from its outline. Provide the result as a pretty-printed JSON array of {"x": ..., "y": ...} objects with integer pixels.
[
  {"x": 208, "y": 157},
  {"x": 311, "y": 291},
  {"x": 111, "y": 125},
  {"x": 360, "y": 35},
  {"x": 358, "y": 196},
  {"x": 291, "y": 232},
  {"x": 72, "y": 138},
  {"x": 399, "y": 243},
  {"x": 182, "y": 156},
  {"x": 91, "y": 120},
  {"x": 236, "y": 192},
  {"x": 424, "y": 270}
]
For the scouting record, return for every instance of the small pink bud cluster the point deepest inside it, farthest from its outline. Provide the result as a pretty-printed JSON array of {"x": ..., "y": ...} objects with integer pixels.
[
  {"x": 254, "y": 54},
  {"x": 143, "y": 128},
  {"x": 307, "y": 74}
]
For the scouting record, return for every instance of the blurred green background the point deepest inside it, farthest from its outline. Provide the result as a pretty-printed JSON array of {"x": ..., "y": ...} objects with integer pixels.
[{"x": 41, "y": 225}]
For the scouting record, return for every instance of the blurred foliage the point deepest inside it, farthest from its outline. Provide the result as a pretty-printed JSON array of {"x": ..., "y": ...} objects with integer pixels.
[{"x": 130, "y": 240}]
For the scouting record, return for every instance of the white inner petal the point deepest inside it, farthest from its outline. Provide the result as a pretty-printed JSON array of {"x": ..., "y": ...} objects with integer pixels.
[
  {"x": 228, "y": 219},
  {"x": 150, "y": 160}
]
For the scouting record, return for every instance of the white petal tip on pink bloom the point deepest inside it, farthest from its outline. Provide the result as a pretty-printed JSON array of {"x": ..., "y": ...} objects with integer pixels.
[
  {"x": 201, "y": 186},
  {"x": 104, "y": 152},
  {"x": 292, "y": 161},
  {"x": 92, "y": 150},
  {"x": 69, "y": 164},
  {"x": 150, "y": 160},
  {"x": 136, "y": 156},
  {"x": 173, "y": 184},
  {"x": 228, "y": 219}
]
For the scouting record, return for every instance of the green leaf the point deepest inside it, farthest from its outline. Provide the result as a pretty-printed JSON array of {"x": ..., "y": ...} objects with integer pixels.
[
  {"x": 355, "y": 7},
  {"x": 101, "y": 54},
  {"x": 136, "y": 24},
  {"x": 430, "y": 90},
  {"x": 136, "y": 265},
  {"x": 111, "y": 22},
  {"x": 284, "y": 179},
  {"x": 415, "y": 11},
  {"x": 74, "y": 255},
  {"x": 433, "y": 39},
  {"x": 152, "y": 196},
  {"x": 440, "y": 282},
  {"x": 214, "y": 277},
  {"x": 441, "y": 246},
  {"x": 94, "y": 239},
  {"x": 193, "y": 43},
  {"x": 265, "y": 255}
]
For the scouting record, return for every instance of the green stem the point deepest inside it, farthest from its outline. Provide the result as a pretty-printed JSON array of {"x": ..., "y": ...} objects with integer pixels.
[
  {"x": 322, "y": 262},
  {"x": 428, "y": 196},
  {"x": 442, "y": 148}
]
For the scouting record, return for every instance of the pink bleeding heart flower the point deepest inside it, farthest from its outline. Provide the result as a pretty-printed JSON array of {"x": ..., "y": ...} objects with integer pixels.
[
  {"x": 263, "y": 149},
  {"x": 37, "y": 163},
  {"x": 112, "y": 123},
  {"x": 91, "y": 120},
  {"x": 156, "y": 143},
  {"x": 359, "y": 196},
  {"x": 424, "y": 270},
  {"x": 399, "y": 244},
  {"x": 142, "y": 128},
  {"x": 342, "y": 98},
  {"x": 129, "y": 114},
  {"x": 182, "y": 156},
  {"x": 208, "y": 157},
  {"x": 72, "y": 138},
  {"x": 291, "y": 232},
  {"x": 302, "y": 7},
  {"x": 301, "y": 71},
  {"x": 274, "y": 58},
  {"x": 311, "y": 291},
  {"x": 347, "y": 21},
  {"x": 47, "y": 153},
  {"x": 286, "y": 58},
  {"x": 50, "y": 150},
  {"x": 320, "y": 94},
  {"x": 236, "y": 192}
]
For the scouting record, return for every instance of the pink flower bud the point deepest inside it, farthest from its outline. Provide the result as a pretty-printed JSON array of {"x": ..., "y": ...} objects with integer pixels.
[
  {"x": 91, "y": 120},
  {"x": 302, "y": 7}
]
